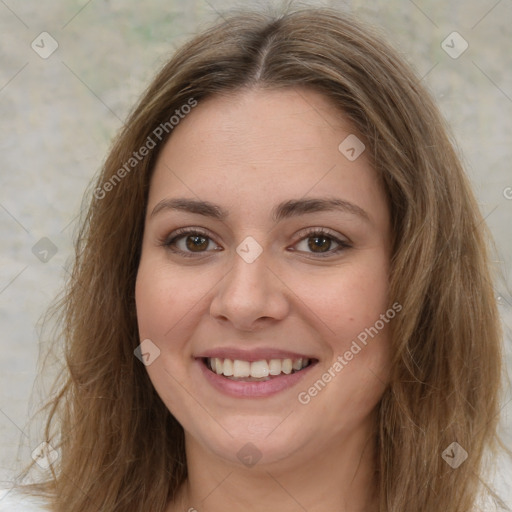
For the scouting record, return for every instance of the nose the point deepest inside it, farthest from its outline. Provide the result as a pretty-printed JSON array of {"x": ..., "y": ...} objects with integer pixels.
[{"x": 250, "y": 296}]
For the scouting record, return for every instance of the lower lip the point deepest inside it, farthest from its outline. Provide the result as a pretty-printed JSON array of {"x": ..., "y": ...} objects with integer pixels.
[{"x": 241, "y": 389}]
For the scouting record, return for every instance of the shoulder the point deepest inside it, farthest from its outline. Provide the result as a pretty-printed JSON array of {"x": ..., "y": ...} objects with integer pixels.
[{"x": 12, "y": 500}]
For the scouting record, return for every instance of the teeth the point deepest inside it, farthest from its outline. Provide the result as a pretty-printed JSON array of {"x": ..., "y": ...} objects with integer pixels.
[
  {"x": 297, "y": 364},
  {"x": 286, "y": 366},
  {"x": 275, "y": 366},
  {"x": 228, "y": 368},
  {"x": 241, "y": 368},
  {"x": 259, "y": 369},
  {"x": 256, "y": 369}
]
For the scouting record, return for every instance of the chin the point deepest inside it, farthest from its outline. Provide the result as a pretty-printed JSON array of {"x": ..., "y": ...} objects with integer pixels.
[{"x": 254, "y": 441}]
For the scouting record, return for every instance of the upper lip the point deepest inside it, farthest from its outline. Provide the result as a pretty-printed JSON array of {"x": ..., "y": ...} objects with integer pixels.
[{"x": 257, "y": 354}]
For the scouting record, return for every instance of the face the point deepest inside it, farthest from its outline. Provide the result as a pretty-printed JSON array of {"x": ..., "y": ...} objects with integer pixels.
[{"x": 263, "y": 280}]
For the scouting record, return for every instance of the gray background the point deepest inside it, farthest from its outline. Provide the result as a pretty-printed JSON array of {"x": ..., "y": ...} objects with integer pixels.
[{"x": 59, "y": 114}]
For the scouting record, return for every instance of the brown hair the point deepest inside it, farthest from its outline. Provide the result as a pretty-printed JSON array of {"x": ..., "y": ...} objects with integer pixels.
[{"x": 120, "y": 448}]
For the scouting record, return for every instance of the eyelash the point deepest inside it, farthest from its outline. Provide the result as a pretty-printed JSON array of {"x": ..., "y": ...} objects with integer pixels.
[{"x": 170, "y": 241}]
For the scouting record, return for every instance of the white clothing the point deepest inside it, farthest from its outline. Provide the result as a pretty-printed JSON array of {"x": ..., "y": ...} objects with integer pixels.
[{"x": 12, "y": 500}]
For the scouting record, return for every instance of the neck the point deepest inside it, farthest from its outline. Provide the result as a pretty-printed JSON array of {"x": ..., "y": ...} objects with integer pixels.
[{"x": 340, "y": 478}]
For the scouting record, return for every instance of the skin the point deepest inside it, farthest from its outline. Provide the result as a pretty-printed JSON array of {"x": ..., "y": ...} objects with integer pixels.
[{"x": 247, "y": 152}]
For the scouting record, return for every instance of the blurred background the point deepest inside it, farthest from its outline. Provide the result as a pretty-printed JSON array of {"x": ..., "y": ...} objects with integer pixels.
[{"x": 71, "y": 70}]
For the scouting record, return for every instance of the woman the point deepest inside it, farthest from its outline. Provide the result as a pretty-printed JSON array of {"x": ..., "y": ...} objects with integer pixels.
[{"x": 281, "y": 296}]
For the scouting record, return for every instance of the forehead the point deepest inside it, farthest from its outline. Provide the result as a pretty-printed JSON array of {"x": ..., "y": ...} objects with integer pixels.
[
  {"x": 273, "y": 122},
  {"x": 257, "y": 147}
]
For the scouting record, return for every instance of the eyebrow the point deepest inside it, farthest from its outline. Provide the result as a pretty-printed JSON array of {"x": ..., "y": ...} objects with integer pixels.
[{"x": 284, "y": 210}]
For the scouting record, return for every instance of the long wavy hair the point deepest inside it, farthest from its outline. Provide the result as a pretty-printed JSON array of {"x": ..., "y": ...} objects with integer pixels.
[{"x": 119, "y": 447}]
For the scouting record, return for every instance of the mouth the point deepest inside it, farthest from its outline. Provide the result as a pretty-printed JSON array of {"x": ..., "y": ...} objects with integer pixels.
[{"x": 255, "y": 371}]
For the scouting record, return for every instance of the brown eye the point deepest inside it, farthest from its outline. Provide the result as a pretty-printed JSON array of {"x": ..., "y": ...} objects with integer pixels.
[
  {"x": 319, "y": 243},
  {"x": 197, "y": 243},
  {"x": 190, "y": 242}
]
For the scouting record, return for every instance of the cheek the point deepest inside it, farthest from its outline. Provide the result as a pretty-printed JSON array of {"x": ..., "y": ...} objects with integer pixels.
[
  {"x": 353, "y": 315},
  {"x": 364, "y": 331},
  {"x": 152, "y": 302},
  {"x": 360, "y": 303},
  {"x": 161, "y": 314},
  {"x": 165, "y": 298},
  {"x": 344, "y": 302},
  {"x": 355, "y": 374}
]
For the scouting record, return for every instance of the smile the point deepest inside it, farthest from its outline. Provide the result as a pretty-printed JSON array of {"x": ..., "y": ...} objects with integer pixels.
[
  {"x": 257, "y": 378},
  {"x": 255, "y": 371}
]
